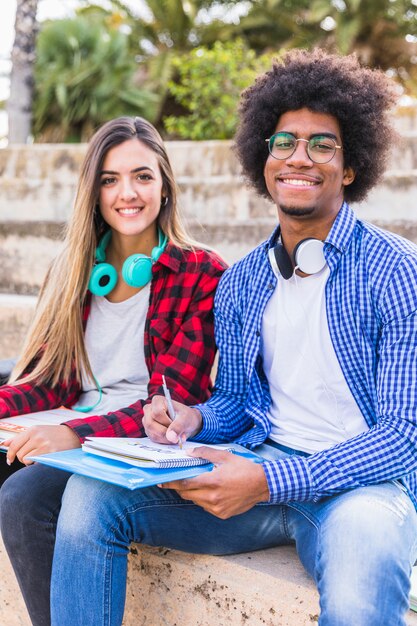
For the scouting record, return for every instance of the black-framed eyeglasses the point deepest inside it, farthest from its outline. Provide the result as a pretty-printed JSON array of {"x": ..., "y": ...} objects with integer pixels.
[{"x": 320, "y": 148}]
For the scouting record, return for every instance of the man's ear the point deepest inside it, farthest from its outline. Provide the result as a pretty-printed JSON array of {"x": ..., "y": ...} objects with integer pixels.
[{"x": 348, "y": 176}]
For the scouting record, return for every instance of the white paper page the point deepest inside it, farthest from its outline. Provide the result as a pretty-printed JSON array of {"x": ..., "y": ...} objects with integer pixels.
[{"x": 144, "y": 448}]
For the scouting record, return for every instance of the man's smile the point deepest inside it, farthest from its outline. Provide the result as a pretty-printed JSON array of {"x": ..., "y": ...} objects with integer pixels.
[{"x": 297, "y": 180}]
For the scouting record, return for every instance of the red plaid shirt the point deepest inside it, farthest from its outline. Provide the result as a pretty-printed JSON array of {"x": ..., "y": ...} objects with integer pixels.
[{"x": 178, "y": 342}]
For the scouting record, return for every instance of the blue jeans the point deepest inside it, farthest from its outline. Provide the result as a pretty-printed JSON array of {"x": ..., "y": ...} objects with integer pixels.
[
  {"x": 30, "y": 501},
  {"x": 358, "y": 546}
]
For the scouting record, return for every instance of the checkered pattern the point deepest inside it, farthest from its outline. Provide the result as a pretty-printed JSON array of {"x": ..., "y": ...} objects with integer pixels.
[
  {"x": 371, "y": 299},
  {"x": 178, "y": 342}
]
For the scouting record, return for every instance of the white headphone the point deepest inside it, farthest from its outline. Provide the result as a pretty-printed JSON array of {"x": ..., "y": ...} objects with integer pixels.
[{"x": 308, "y": 257}]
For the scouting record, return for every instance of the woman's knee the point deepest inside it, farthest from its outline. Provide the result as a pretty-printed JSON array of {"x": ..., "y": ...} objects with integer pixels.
[{"x": 29, "y": 496}]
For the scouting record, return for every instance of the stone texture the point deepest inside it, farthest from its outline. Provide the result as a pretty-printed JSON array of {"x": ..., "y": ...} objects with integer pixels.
[
  {"x": 38, "y": 182},
  {"x": 170, "y": 588},
  {"x": 16, "y": 313},
  {"x": 38, "y": 187},
  {"x": 12, "y": 607},
  {"x": 267, "y": 587}
]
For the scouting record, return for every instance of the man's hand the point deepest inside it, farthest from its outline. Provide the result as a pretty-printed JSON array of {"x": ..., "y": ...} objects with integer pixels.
[
  {"x": 234, "y": 486},
  {"x": 40, "y": 440},
  {"x": 159, "y": 427}
]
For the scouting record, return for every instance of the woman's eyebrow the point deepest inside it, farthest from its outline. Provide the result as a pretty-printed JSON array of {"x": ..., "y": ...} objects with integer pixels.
[{"x": 134, "y": 171}]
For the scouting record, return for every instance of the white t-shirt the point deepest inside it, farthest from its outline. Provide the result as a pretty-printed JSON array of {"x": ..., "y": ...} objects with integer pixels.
[
  {"x": 114, "y": 340},
  {"x": 312, "y": 407}
]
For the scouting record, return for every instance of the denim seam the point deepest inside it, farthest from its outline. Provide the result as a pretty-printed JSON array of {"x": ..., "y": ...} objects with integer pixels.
[
  {"x": 53, "y": 524},
  {"x": 155, "y": 503},
  {"x": 106, "y": 582},
  {"x": 300, "y": 509},
  {"x": 285, "y": 520}
]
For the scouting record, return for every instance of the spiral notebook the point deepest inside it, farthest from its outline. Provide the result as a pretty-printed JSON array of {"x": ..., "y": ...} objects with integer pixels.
[
  {"x": 142, "y": 452},
  {"x": 122, "y": 472}
]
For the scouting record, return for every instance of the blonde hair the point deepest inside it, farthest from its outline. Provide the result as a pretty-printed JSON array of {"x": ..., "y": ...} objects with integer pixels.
[{"x": 54, "y": 349}]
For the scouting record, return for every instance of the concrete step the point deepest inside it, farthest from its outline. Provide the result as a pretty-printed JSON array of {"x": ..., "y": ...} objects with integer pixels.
[
  {"x": 27, "y": 249},
  {"x": 16, "y": 313},
  {"x": 38, "y": 186},
  {"x": 170, "y": 588},
  {"x": 38, "y": 181}
]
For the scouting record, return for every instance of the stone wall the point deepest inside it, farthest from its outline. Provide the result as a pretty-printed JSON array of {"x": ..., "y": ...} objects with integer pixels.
[{"x": 38, "y": 186}]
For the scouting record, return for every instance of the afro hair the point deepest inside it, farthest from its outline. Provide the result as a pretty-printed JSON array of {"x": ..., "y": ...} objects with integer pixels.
[{"x": 359, "y": 98}]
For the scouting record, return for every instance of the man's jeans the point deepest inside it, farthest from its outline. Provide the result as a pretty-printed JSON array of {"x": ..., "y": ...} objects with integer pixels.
[{"x": 358, "y": 546}]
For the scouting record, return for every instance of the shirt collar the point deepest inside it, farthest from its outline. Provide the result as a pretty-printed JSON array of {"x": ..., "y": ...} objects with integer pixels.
[
  {"x": 171, "y": 257},
  {"x": 342, "y": 230},
  {"x": 339, "y": 235}
]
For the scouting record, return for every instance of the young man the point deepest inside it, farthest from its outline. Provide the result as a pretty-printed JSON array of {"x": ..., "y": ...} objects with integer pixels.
[{"x": 317, "y": 373}]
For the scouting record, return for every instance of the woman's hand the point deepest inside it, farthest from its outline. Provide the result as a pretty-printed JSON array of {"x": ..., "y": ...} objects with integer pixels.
[
  {"x": 159, "y": 427},
  {"x": 40, "y": 440}
]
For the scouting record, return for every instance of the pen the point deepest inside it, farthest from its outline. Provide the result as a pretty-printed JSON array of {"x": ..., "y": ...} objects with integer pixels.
[{"x": 171, "y": 410}]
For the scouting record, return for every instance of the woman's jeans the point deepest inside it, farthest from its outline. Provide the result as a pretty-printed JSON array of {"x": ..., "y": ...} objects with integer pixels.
[{"x": 358, "y": 546}]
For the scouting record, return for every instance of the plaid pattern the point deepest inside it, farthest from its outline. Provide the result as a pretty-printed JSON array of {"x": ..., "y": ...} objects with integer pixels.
[
  {"x": 371, "y": 298},
  {"x": 178, "y": 342}
]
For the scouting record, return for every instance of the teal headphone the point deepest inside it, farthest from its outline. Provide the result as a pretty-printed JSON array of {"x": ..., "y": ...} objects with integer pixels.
[{"x": 136, "y": 270}]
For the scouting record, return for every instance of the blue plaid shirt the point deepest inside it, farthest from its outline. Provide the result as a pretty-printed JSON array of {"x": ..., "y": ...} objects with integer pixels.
[{"x": 371, "y": 300}]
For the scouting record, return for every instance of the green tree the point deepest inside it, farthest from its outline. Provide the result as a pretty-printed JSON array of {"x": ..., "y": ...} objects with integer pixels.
[
  {"x": 165, "y": 29},
  {"x": 380, "y": 32},
  {"x": 208, "y": 86},
  {"x": 267, "y": 25},
  {"x": 84, "y": 76},
  {"x": 383, "y": 33}
]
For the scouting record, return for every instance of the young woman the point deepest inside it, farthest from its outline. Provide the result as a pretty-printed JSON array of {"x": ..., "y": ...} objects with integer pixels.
[{"x": 128, "y": 300}]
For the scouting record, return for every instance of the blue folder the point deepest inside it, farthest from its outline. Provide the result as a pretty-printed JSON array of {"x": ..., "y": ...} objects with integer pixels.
[{"x": 118, "y": 473}]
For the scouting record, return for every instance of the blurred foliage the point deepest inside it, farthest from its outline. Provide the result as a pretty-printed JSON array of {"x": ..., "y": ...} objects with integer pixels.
[
  {"x": 191, "y": 58},
  {"x": 383, "y": 33},
  {"x": 107, "y": 61},
  {"x": 84, "y": 76},
  {"x": 208, "y": 85},
  {"x": 169, "y": 28}
]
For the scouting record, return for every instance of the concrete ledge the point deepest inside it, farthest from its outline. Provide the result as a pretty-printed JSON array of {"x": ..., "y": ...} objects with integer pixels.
[
  {"x": 16, "y": 313},
  {"x": 170, "y": 588},
  {"x": 27, "y": 249},
  {"x": 12, "y": 607}
]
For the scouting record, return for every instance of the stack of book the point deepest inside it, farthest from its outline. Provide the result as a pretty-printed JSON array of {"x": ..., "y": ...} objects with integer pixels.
[
  {"x": 142, "y": 452},
  {"x": 124, "y": 461}
]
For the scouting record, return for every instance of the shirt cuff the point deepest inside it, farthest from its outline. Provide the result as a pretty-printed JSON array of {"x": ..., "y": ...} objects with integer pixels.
[
  {"x": 78, "y": 427},
  {"x": 4, "y": 409},
  {"x": 289, "y": 479},
  {"x": 210, "y": 430}
]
